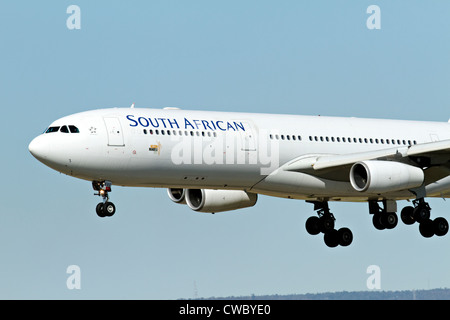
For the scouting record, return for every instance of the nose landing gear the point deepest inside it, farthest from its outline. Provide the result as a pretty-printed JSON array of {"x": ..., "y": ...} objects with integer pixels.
[{"x": 105, "y": 208}]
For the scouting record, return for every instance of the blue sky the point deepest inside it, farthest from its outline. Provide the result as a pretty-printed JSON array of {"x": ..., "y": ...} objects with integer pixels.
[{"x": 293, "y": 57}]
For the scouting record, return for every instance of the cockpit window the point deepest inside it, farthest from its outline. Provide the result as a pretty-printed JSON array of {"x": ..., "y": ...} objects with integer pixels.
[
  {"x": 74, "y": 129},
  {"x": 63, "y": 129},
  {"x": 52, "y": 129}
]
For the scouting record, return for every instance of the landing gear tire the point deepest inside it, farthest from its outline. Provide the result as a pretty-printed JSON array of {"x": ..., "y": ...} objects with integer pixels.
[
  {"x": 376, "y": 220},
  {"x": 326, "y": 223},
  {"x": 313, "y": 225},
  {"x": 426, "y": 228},
  {"x": 440, "y": 226},
  {"x": 389, "y": 220},
  {"x": 105, "y": 209},
  {"x": 99, "y": 210},
  {"x": 331, "y": 238},
  {"x": 407, "y": 215},
  {"x": 345, "y": 236},
  {"x": 421, "y": 214},
  {"x": 109, "y": 208}
]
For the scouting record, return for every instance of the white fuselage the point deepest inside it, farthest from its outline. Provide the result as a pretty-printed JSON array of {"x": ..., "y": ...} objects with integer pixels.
[{"x": 222, "y": 150}]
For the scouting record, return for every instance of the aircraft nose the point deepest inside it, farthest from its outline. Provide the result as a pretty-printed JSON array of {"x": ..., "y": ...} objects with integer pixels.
[{"x": 39, "y": 148}]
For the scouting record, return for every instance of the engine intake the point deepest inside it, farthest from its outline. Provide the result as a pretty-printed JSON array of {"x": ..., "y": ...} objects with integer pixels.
[
  {"x": 376, "y": 176},
  {"x": 177, "y": 195}
]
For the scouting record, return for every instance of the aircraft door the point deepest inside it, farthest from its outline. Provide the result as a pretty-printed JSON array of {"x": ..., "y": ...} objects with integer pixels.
[
  {"x": 247, "y": 138},
  {"x": 114, "y": 130}
]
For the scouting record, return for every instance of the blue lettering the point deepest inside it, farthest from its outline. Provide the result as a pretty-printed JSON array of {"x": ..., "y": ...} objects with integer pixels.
[
  {"x": 187, "y": 123},
  {"x": 206, "y": 124},
  {"x": 146, "y": 121},
  {"x": 217, "y": 123},
  {"x": 164, "y": 123},
  {"x": 151, "y": 122},
  {"x": 135, "y": 122},
  {"x": 196, "y": 124},
  {"x": 174, "y": 122},
  {"x": 230, "y": 126},
  {"x": 239, "y": 125}
]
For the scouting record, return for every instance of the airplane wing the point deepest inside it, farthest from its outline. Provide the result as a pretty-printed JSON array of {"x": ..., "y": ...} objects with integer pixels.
[{"x": 435, "y": 156}]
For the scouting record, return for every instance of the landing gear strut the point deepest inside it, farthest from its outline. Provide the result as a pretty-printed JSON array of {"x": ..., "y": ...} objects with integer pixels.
[
  {"x": 421, "y": 213},
  {"x": 324, "y": 223},
  {"x": 105, "y": 208}
]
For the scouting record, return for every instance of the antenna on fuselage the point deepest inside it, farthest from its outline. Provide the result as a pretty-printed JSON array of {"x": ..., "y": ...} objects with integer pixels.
[{"x": 132, "y": 106}]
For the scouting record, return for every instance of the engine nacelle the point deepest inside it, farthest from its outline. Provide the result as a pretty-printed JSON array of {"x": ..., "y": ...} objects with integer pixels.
[
  {"x": 177, "y": 195},
  {"x": 375, "y": 176},
  {"x": 206, "y": 200}
]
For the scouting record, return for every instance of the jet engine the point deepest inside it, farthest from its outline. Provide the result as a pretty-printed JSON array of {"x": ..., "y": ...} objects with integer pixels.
[
  {"x": 375, "y": 176},
  {"x": 206, "y": 200}
]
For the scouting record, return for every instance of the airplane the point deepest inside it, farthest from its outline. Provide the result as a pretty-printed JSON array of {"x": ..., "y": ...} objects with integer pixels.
[{"x": 215, "y": 161}]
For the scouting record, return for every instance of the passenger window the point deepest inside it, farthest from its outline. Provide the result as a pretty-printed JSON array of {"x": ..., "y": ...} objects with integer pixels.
[
  {"x": 64, "y": 129},
  {"x": 74, "y": 129}
]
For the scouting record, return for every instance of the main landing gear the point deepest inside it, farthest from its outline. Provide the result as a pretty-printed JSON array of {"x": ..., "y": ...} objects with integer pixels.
[
  {"x": 105, "y": 208},
  {"x": 421, "y": 213},
  {"x": 386, "y": 218},
  {"x": 324, "y": 223}
]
